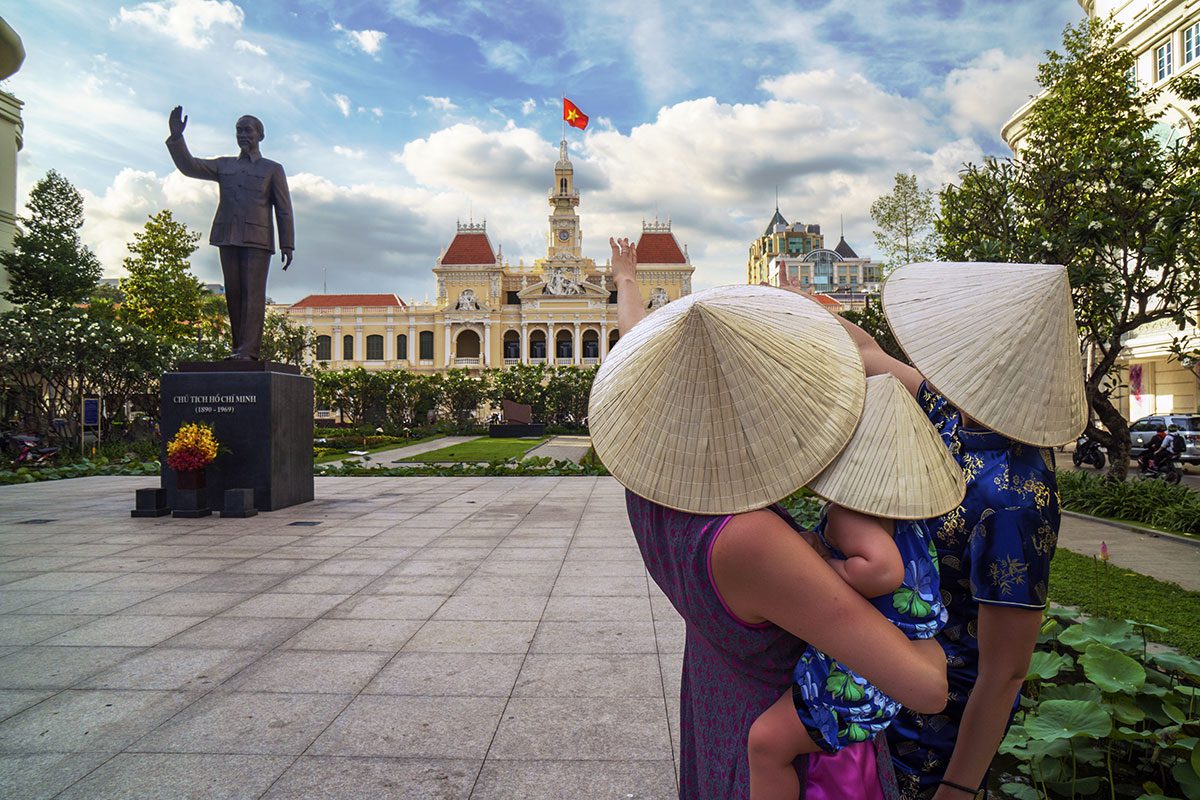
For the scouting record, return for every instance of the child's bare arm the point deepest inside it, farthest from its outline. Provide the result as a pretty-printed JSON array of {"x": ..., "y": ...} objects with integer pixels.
[{"x": 873, "y": 565}]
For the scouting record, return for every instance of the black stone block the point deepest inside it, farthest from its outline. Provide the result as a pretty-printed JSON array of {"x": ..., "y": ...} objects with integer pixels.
[
  {"x": 191, "y": 503},
  {"x": 514, "y": 430},
  {"x": 239, "y": 503},
  {"x": 263, "y": 421},
  {"x": 151, "y": 503}
]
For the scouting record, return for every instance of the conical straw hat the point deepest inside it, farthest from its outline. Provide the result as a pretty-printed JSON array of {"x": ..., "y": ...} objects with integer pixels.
[
  {"x": 726, "y": 400},
  {"x": 998, "y": 340},
  {"x": 896, "y": 465}
]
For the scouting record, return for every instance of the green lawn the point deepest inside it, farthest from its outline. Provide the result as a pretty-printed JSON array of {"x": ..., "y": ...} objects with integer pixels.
[
  {"x": 1105, "y": 590},
  {"x": 344, "y": 454},
  {"x": 484, "y": 449}
]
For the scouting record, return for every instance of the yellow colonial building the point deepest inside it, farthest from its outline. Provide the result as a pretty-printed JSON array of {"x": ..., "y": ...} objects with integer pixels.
[
  {"x": 1164, "y": 37},
  {"x": 12, "y": 53},
  {"x": 559, "y": 310}
]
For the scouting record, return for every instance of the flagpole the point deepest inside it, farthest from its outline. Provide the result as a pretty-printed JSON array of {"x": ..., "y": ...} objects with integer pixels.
[{"x": 564, "y": 116}]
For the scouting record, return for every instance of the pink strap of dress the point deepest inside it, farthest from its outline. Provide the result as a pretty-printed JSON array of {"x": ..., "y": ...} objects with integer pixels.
[{"x": 849, "y": 774}]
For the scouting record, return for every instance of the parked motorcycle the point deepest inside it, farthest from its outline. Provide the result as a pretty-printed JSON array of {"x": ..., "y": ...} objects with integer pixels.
[
  {"x": 1171, "y": 471},
  {"x": 28, "y": 450},
  {"x": 1088, "y": 451}
]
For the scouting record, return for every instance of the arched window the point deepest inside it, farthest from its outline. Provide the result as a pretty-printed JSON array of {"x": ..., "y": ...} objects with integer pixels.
[
  {"x": 425, "y": 344},
  {"x": 613, "y": 337},
  {"x": 347, "y": 348},
  {"x": 402, "y": 347},
  {"x": 564, "y": 345},
  {"x": 537, "y": 344},
  {"x": 324, "y": 348},
  {"x": 562, "y": 185},
  {"x": 512, "y": 344},
  {"x": 591, "y": 344},
  {"x": 374, "y": 347}
]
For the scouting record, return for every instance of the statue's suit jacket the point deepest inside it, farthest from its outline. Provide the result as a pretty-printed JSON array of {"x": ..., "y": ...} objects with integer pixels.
[{"x": 249, "y": 188}]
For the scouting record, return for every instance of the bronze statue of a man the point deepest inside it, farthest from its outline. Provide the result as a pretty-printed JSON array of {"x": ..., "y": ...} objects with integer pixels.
[{"x": 250, "y": 186}]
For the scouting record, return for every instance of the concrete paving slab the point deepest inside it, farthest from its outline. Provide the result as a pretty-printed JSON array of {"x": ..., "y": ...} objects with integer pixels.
[
  {"x": 332, "y": 778},
  {"x": 136, "y": 776}
]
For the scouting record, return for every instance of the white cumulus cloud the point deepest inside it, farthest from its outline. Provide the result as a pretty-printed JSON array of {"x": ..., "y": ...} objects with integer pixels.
[
  {"x": 440, "y": 103},
  {"x": 188, "y": 22},
  {"x": 350, "y": 152},
  {"x": 985, "y": 93},
  {"x": 368, "y": 41},
  {"x": 249, "y": 47},
  {"x": 528, "y": 106},
  {"x": 343, "y": 103}
]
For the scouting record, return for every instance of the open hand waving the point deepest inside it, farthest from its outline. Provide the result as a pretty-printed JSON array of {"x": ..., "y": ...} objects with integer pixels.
[{"x": 178, "y": 122}]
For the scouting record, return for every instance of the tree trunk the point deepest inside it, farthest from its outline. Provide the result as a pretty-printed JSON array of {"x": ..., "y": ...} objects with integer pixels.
[{"x": 1116, "y": 436}]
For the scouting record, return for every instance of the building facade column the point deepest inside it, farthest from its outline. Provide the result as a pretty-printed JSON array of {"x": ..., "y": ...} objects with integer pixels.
[
  {"x": 524, "y": 342},
  {"x": 551, "y": 344},
  {"x": 411, "y": 349},
  {"x": 335, "y": 347},
  {"x": 603, "y": 339},
  {"x": 359, "y": 355},
  {"x": 576, "y": 346},
  {"x": 487, "y": 343},
  {"x": 389, "y": 344},
  {"x": 448, "y": 359}
]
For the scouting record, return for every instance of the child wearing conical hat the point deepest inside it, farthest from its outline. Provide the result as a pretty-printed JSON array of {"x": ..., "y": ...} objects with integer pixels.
[{"x": 893, "y": 472}]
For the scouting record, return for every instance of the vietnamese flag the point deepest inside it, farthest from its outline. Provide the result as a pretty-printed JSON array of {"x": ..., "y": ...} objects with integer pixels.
[{"x": 573, "y": 116}]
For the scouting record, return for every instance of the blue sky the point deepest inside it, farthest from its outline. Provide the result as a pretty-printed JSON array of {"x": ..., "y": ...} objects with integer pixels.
[{"x": 394, "y": 118}]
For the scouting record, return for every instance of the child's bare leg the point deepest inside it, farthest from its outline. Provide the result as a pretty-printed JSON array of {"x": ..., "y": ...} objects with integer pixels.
[{"x": 776, "y": 738}]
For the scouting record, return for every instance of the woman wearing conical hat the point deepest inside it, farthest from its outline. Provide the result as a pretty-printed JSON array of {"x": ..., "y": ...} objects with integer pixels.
[
  {"x": 997, "y": 370},
  {"x": 710, "y": 410},
  {"x": 893, "y": 473}
]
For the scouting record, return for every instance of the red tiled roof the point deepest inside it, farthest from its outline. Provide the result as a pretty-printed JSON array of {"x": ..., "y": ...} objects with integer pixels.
[
  {"x": 659, "y": 248},
  {"x": 469, "y": 248},
  {"x": 826, "y": 300},
  {"x": 346, "y": 300}
]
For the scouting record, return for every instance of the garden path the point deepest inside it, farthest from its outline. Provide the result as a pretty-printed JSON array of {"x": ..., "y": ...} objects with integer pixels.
[
  {"x": 386, "y": 457},
  {"x": 1166, "y": 558},
  {"x": 568, "y": 448}
]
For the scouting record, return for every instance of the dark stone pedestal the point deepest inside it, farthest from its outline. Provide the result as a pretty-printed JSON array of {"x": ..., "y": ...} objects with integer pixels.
[
  {"x": 263, "y": 420},
  {"x": 515, "y": 430},
  {"x": 151, "y": 503},
  {"x": 239, "y": 503},
  {"x": 191, "y": 503}
]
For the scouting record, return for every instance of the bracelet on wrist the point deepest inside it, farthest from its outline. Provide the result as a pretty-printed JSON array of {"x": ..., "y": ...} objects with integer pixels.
[{"x": 959, "y": 787}]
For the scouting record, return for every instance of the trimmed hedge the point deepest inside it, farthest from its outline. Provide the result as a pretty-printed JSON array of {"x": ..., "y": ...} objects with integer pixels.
[{"x": 1157, "y": 503}]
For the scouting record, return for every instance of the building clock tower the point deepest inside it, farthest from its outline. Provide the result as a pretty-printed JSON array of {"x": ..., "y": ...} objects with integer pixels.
[{"x": 566, "y": 236}]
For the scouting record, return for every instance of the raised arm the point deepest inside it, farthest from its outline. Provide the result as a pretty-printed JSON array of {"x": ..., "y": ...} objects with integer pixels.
[
  {"x": 204, "y": 169},
  {"x": 764, "y": 571},
  {"x": 878, "y": 362},
  {"x": 631, "y": 309}
]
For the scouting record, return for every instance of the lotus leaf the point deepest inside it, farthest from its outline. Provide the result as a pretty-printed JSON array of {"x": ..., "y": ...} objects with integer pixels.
[
  {"x": 1067, "y": 719},
  {"x": 1112, "y": 671}
]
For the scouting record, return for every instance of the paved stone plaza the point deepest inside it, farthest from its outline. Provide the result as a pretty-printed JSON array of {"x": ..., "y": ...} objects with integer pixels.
[{"x": 427, "y": 638}]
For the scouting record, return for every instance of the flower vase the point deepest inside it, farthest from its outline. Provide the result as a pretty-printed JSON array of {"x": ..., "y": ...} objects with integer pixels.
[
  {"x": 191, "y": 479},
  {"x": 191, "y": 497}
]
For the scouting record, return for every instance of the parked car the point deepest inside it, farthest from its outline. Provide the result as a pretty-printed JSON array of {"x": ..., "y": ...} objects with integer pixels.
[{"x": 1145, "y": 429}]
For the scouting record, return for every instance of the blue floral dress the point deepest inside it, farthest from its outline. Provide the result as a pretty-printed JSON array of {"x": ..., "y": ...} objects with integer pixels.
[
  {"x": 994, "y": 549},
  {"x": 838, "y": 706}
]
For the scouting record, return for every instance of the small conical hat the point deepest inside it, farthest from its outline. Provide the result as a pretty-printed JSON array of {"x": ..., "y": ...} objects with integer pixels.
[
  {"x": 896, "y": 465},
  {"x": 998, "y": 340},
  {"x": 726, "y": 400}
]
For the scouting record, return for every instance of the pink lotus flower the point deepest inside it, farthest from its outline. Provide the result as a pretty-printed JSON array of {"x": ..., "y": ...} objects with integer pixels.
[{"x": 1103, "y": 551}]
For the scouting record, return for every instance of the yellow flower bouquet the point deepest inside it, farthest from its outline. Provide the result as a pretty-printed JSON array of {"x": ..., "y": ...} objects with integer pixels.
[{"x": 192, "y": 448}]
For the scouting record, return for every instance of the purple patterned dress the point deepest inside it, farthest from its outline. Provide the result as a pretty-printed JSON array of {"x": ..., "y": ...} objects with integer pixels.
[{"x": 733, "y": 671}]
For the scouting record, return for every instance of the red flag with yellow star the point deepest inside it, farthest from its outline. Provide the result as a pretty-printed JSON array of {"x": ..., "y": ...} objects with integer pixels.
[{"x": 573, "y": 116}]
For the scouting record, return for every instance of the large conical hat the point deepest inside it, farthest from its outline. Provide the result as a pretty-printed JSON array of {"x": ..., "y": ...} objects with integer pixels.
[
  {"x": 896, "y": 465},
  {"x": 998, "y": 340},
  {"x": 726, "y": 400}
]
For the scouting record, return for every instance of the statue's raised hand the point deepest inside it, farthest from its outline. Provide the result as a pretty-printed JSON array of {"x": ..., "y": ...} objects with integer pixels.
[{"x": 178, "y": 122}]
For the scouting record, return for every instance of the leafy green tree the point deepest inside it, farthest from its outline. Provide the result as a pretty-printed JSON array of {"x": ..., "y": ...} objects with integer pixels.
[
  {"x": 463, "y": 393},
  {"x": 357, "y": 393},
  {"x": 904, "y": 222},
  {"x": 1097, "y": 188},
  {"x": 521, "y": 383},
  {"x": 48, "y": 263},
  {"x": 567, "y": 393},
  {"x": 283, "y": 340},
  {"x": 161, "y": 293}
]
